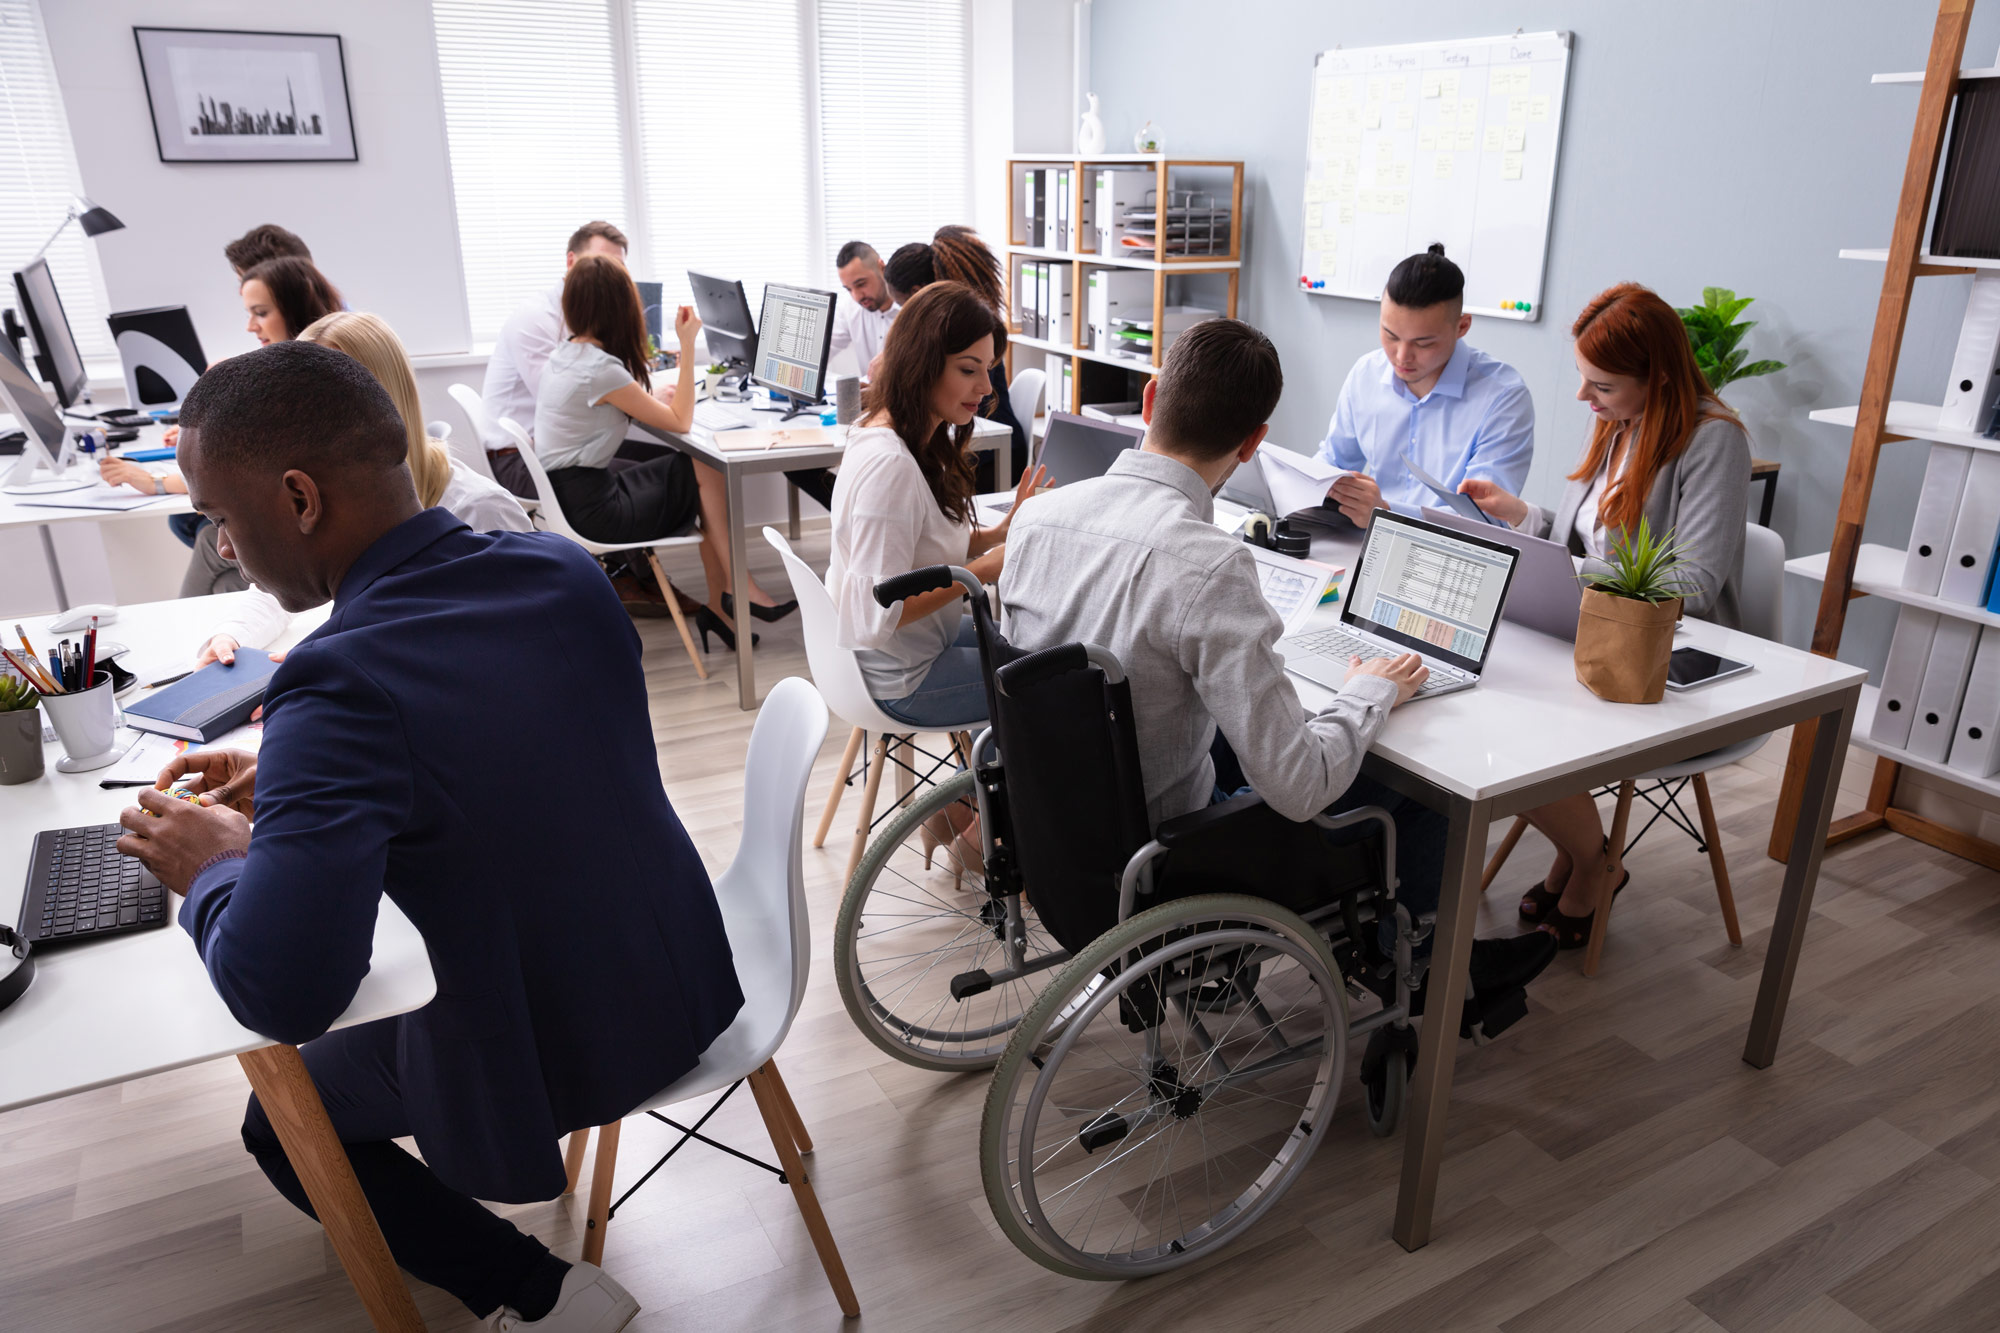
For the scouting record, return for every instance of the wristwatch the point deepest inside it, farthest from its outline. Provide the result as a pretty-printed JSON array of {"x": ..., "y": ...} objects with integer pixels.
[{"x": 159, "y": 484}]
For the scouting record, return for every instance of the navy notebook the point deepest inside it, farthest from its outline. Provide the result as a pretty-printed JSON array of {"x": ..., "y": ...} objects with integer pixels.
[{"x": 213, "y": 700}]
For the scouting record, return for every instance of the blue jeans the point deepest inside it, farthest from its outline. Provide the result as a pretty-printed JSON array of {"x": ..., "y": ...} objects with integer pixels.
[
  {"x": 953, "y": 695},
  {"x": 185, "y": 526}
]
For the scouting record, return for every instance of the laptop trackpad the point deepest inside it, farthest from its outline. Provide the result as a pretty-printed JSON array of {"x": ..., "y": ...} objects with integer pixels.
[{"x": 1315, "y": 667}]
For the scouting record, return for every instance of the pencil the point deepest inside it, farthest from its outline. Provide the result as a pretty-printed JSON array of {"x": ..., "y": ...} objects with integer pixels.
[
  {"x": 31, "y": 671},
  {"x": 90, "y": 653}
]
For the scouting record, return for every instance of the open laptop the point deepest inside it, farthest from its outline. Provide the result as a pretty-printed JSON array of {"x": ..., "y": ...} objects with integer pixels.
[
  {"x": 1547, "y": 596},
  {"x": 1076, "y": 449},
  {"x": 1417, "y": 588}
]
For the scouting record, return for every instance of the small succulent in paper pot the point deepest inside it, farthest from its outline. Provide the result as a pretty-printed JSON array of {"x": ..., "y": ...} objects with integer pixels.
[{"x": 1625, "y": 630}]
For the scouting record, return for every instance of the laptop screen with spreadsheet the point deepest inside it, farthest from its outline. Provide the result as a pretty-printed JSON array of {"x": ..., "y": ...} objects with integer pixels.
[{"x": 1432, "y": 590}]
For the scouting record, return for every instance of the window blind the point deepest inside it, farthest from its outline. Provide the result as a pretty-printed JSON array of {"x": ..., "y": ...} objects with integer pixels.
[
  {"x": 535, "y": 129},
  {"x": 38, "y": 180},
  {"x": 894, "y": 119},
  {"x": 723, "y": 128}
]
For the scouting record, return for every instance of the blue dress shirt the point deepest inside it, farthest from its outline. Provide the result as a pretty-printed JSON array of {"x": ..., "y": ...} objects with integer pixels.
[{"x": 1477, "y": 421}]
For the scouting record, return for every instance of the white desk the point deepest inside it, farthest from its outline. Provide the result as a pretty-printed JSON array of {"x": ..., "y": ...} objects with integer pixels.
[
  {"x": 1529, "y": 734},
  {"x": 122, "y": 1008},
  {"x": 735, "y": 465},
  {"x": 15, "y": 514}
]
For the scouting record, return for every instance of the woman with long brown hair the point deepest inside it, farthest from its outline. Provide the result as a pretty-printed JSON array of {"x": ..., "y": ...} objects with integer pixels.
[
  {"x": 283, "y": 295},
  {"x": 594, "y": 387},
  {"x": 903, "y": 501},
  {"x": 1666, "y": 449}
]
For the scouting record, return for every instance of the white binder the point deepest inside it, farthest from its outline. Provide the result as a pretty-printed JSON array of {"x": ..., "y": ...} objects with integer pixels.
[
  {"x": 1973, "y": 748},
  {"x": 1943, "y": 690},
  {"x": 1975, "y": 368},
  {"x": 1969, "y": 558},
  {"x": 1937, "y": 509},
  {"x": 1903, "y": 676},
  {"x": 1058, "y": 315}
]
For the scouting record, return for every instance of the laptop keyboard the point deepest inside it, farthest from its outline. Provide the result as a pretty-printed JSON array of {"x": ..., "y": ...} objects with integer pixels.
[{"x": 1341, "y": 645}]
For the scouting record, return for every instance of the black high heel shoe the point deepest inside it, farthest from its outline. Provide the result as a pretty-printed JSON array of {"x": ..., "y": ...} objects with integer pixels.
[
  {"x": 767, "y": 614},
  {"x": 709, "y": 623}
]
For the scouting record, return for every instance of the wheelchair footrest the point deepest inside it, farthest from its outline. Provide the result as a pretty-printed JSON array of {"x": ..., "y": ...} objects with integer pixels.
[
  {"x": 1486, "y": 1018},
  {"x": 968, "y": 984}
]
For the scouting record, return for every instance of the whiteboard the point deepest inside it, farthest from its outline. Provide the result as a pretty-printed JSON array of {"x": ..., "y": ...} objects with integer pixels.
[{"x": 1435, "y": 141}]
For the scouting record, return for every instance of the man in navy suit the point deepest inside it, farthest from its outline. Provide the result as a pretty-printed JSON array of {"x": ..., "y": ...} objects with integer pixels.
[{"x": 468, "y": 734}]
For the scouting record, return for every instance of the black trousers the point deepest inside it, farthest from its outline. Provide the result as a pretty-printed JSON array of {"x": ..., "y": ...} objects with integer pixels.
[{"x": 434, "y": 1232}]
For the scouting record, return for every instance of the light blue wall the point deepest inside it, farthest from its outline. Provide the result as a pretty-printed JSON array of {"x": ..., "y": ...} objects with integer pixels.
[{"x": 1728, "y": 142}]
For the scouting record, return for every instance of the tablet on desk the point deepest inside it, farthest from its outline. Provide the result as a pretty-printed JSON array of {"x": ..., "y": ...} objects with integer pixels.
[{"x": 1689, "y": 667}]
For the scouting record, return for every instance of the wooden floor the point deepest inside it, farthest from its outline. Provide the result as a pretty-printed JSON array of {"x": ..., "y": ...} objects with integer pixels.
[{"x": 1613, "y": 1164}]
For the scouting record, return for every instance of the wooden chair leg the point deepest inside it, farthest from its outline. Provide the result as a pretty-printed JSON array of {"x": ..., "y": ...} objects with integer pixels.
[
  {"x": 854, "y": 739},
  {"x": 1711, "y": 835},
  {"x": 906, "y": 781},
  {"x": 1601, "y": 921},
  {"x": 674, "y": 606},
  {"x": 785, "y": 1104},
  {"x": 768, "y": 1102},
  {"x": 597, "y": 1219},
  {"x": 1505, "y": 850},
  {"x": 868, "y": 792},
  {"x": 573, "y": 1158}
]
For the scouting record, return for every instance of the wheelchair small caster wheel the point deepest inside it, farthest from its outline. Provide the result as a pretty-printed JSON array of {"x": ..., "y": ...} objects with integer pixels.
[{"x": 1385, "y": 1077}]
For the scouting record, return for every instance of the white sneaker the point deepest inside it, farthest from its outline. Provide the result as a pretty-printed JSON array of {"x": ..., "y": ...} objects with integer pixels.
[{"x": 590, "y": 1302}]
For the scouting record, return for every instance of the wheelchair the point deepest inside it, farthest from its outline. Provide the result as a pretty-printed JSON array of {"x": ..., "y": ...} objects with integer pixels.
[{"x": 1165, "y": 1009}]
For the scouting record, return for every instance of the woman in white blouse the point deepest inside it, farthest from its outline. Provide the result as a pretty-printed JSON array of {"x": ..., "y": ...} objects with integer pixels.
[
  {"x": 254, "y": 617},
  {"x": 903, "y": 501}
]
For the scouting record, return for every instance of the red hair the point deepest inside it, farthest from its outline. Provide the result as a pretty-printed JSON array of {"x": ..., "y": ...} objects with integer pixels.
[{"x": 1629, "y": 330}]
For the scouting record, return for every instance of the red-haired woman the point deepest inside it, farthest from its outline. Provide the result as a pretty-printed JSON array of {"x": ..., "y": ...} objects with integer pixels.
[{"x": 1664, "y": 448}]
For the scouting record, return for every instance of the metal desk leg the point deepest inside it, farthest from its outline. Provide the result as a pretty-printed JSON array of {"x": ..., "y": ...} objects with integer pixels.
[
  {"x": 1003, "y": 465},
  {"x": 791, "y": 510},
  {"x": 1788, "y": 928},
  {"x": 55, "y": 566},
  {"x": 1458, "y": 913},
  {"x": 739, "y": 581},
  {"x": 1770, "y": 480},
  {"x": 288, "y": 1096}
]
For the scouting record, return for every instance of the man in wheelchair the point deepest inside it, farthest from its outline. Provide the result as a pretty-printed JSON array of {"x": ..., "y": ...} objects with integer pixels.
[{"x": 1133, "y": 562}]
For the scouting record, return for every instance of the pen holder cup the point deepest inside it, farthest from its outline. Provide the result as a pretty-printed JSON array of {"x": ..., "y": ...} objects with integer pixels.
[
  {"x": 847, "y": 399},
  {"x": 86, "y": 721},
  {"x": 20, "y": 746}
]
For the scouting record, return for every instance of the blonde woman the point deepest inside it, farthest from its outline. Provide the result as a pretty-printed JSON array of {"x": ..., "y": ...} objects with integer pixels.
[{"x": 255, "y": 618}]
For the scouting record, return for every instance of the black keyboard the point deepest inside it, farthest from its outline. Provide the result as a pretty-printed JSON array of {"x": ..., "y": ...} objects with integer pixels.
[{"x": 80, "y": 888}]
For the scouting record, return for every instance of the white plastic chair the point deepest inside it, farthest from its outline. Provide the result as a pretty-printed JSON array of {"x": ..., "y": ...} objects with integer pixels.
[
  {"x": 763, "y": 899},
  {"x": 552, "y": 519},
  {"x": 838, "y": 677},
  {"x": 1762, "y": 602},
  {"x": 471, "y": 452},
  {"x": 1025, "y": 396}
]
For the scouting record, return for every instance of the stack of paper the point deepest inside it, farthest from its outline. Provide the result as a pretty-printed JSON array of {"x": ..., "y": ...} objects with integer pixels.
[{"x": 1296, "y": 481}]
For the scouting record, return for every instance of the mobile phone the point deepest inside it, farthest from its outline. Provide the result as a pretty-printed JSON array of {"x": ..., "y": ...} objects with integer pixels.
[{"x": 1689, "y": 667}]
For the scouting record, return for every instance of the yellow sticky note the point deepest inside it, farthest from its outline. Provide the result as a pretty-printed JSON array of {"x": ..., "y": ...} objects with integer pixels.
[
  {"x": 1313, "y": 241},
  {"x": 1467, "y": 137},
  {"x": 1316, "y": 191},
  {"x": 1323, "y": 91},
  {"x": 1442, "y": 168},
  {"x": 1538, "y": 108},
  {"x": 1375, "y": 90},
  {"x": 1399, "y": 89},
  {"x": 1493, "y": 133},
  {"x": 1517, "y": 138},
  {"x": 1517, "y": 110},
  {"x": 1401, "y": 175},
  {"x": 1343, "y": 90},
  {"x": 1447, "y": 113},
  {"x": 1468, "y": 111},
  {"x": 1405, "y": 117},
  {"x": 1329, "y": 242},
  {"x": 1315, "y": 215},
  {"x": 1430, "y": 85},
  {"x": 1427, "y": 139},
  {"x": 1448, "y": 83},
  {"x": 1510, "y": 166},
  {"x": 1322, "y": 144},
  {"x": 1371, "y": 118},
  {"x": 1346, "y": 213},
  {"x": 1399, "y": 201}
]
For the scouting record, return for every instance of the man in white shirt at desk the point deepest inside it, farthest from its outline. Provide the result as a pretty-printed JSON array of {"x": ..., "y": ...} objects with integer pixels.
[
  {"x": 863, "y": 321},
  {"x": 514, "y": 371},
  {"x": 1426, "y": 396}
]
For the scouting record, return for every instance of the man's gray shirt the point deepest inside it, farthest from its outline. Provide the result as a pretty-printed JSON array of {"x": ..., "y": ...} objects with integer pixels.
[{"x": 1132, "y": 561}]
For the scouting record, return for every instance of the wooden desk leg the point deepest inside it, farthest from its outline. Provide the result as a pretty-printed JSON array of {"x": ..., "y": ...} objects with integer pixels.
[
  {"x": 1458, "y": 914},
  {"x": 1788, "y": 928},
  {"x": 739, "y": 580},
  {"x": 288, "y": 1097}
]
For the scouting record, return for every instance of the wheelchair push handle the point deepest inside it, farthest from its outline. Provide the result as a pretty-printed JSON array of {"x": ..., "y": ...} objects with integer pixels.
[
  {"x": 900, "y": 587},
  {"x": 1052, "y": 662}
]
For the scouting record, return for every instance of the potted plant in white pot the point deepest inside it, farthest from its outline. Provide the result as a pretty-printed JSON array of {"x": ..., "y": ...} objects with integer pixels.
[{"x": 1625, "y": 631}]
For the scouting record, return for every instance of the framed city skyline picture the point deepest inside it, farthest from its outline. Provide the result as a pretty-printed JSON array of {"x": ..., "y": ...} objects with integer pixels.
[{"x": 225, "y": 96}]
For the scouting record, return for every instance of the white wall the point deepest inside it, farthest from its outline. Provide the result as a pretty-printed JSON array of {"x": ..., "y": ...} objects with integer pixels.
[{"x": 383, "y": 229}]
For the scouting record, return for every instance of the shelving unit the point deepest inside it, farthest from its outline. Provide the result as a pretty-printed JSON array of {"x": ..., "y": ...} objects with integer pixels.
[
  {"x": 1082, "y": 255},
  {"x": 1851, "y": 568}
]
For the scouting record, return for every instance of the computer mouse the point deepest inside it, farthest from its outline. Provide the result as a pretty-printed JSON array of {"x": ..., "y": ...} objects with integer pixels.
[{"x": 78, "y": 618}]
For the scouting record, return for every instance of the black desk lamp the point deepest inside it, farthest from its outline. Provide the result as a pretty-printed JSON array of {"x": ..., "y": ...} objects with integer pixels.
[{"x": 94, "y": 220}]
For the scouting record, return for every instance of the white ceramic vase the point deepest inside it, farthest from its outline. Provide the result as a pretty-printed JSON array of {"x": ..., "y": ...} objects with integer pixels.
[{"x": 1090, "y": 133}]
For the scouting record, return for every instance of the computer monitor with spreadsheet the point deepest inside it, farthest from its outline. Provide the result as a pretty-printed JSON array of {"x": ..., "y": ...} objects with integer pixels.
[
  {"x": 1429, "y": 589},
  {"x": 793, "y": 338}
]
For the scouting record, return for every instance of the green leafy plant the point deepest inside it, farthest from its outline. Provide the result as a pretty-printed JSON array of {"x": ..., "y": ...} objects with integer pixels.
[
  {"x": 1644, "y": 568},
  {"x": 15, "y": 695},
  {"x": 1714, "y": 333},
  {"x": 717, "y": 368}
]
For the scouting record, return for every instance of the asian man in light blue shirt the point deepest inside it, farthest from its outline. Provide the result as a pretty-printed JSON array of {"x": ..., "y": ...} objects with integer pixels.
[{"x": 1429, "y": 397}]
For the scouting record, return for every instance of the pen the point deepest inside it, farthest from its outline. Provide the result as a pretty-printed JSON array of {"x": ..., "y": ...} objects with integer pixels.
[{"x": 90, "y": 653}]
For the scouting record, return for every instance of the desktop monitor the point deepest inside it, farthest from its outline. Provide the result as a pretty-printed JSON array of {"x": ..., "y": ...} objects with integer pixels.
[
  {"x": 725, "y": 321},
  {"x": 1078, "y": 448},
  {"x": 793, "y": 339},
  {"x": 47, "y": 442},
  {"x": 650, "y": 296},
  {"x": 56, "y": 355}
]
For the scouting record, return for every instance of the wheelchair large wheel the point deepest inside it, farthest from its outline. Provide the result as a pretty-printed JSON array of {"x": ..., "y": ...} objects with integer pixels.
[
  {"x": 1166, "y": 1089},
  {"x": 932, "y": 968}
]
